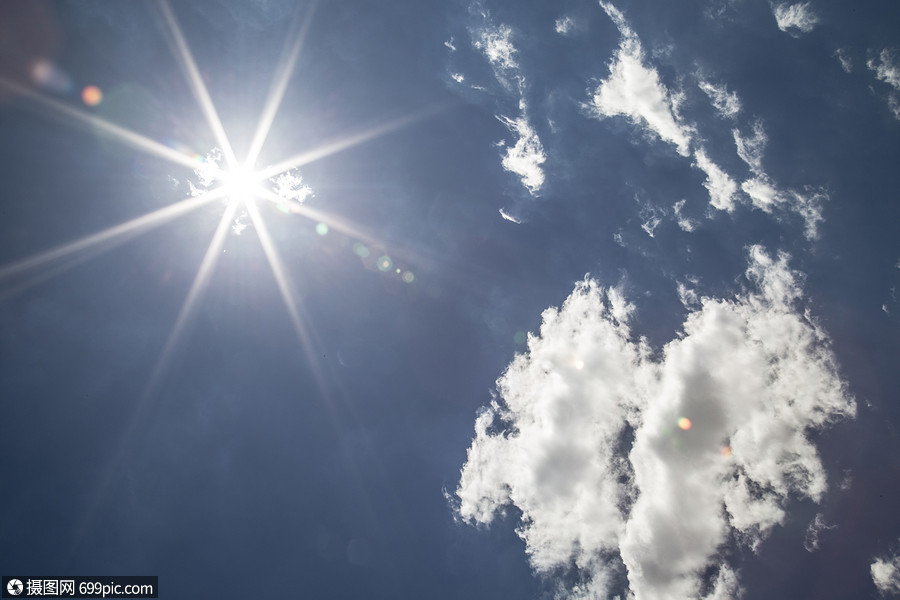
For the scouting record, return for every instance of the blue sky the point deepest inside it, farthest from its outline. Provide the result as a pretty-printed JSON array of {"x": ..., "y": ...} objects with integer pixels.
[{"x": 517, "y": 299}]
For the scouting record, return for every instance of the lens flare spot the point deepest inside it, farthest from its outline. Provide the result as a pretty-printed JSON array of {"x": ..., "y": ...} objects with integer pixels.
[
  {"x": 50, "y": 77},
  {"x": 361, "y": 250},
  {"x": 685, "y": 423},
  {"x": 579, "y": 364},
  {"x": 385, "y": 263},
  {"x": 91, "y": 95},
  {"x": 408, "y": 277},
  {"x": 520, "y": 337},
  {"x": 726, "y": 451},
  {"x": 322, "y": 229}
]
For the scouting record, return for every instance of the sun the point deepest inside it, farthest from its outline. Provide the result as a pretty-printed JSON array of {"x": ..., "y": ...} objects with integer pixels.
[{"x": 241, "y": 184}]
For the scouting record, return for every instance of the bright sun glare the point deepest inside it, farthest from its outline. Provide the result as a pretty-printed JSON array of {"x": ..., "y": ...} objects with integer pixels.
[{"x": 241, "y": 184}]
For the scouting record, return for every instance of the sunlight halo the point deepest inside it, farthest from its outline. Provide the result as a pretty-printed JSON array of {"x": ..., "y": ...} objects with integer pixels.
[{"x": 241, "y": 184}]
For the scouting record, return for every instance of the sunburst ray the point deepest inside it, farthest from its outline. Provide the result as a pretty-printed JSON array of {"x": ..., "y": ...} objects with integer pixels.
[
  {"x": 186, "y": 60},
  {"x": 110, "y": 235},
  {"x": 118, "y": 133},
  {"x": 287, "y": 293},
  {"x": 279, "y": 85},
  {"x": 199, "y": 285},
  {"x": 139, "y": 411},
  {"x": 321, "y": 216},
  {"x": 344, "y": 143}
]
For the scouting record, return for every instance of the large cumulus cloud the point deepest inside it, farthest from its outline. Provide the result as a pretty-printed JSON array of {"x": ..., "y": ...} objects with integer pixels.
[{"x": 626, "y": 461}]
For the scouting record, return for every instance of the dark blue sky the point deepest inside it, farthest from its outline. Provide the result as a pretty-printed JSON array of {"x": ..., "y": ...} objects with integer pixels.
[{"x": 723, "y": 173}]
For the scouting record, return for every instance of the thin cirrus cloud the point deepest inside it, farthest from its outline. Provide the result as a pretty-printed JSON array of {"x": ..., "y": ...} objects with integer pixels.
[
  {"x": 495, "y": 41},
  {"x": 633, "y": 90},
  {"x": 888, "y": 71},
  {"x": 763, "y": 192},
  {"x": 795, "y": 18},
  {"x": 525, "y": 157},
  {"x": 564, "y": 25},
  {"x": 844, "y": 58},
  {"x": 637, "y": 469},
  {"x": 726, "y": 103},
  {"x": 886, "y": 574},
  {"x": 813, "y": 532}
]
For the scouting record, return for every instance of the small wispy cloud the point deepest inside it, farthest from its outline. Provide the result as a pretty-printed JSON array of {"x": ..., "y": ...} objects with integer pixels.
[
  {"x": 688, "y": 295},
  {"x": 495, "y": 41},
  {"x": 289, "y": 186},
  {"x": 719, "y": 184},
  {"x": 726, "y": 103},
  {"x": 651, "y": 216},
  {"x": 751, "y": 147},
  {"x": 795, "y": 18},
  {"x": 684, "y": 222},
  {"x": 508, "y": 217},
  {"x": 634, "y": 90},
  {"x": 886, "y": 574},
  {"x": 814, "y": 530},
  {"x": 766, "y": 195},
  {"x": 564, "y": 25},
  {"x": 450, "y": 45},
  {"x": 630, "y": 463},
  {"x": 525, "y": 157},
  {"x": 844, "y": 58},
  {"x": 887, "y": 70}
]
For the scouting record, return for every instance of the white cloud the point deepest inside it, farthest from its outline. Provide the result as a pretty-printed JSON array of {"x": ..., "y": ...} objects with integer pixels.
[
  {"x": 564, "y": 25},
  {"x": 651, "y": 215},
  {"x": 289, "y": 186},
  {"x": 765, "y": 195},
  {"x": 888, "y": 71},
  {"x": 808, "y": 204},
  {"x": 720, "y": 186},
  {"x": 449, "y": 44},
  {"x": 635, "y": 91},
  {"x": 886, "y": 574},
  {"x": 688, "y": 295},
  {"x": 207, "y": 173},
  {"x": 894, "y": 105},
  {"x": 751, "y": 148},
  {"x": 885, "y": 68},
  {"x": 509, "y": 217},
  {"x": 816, "y": 527},
  {"x": 457, "y": 77},
  {"x": 793, "y": 18},
  {"x": 844, "y": 58},
  {"x": 753, "y": 374},
  {"x": 526, "y": 156},
  {"x": 726, "y": 103},
  {"x": 496, "y": 44},
  {"x": 684, "y": 222}
]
